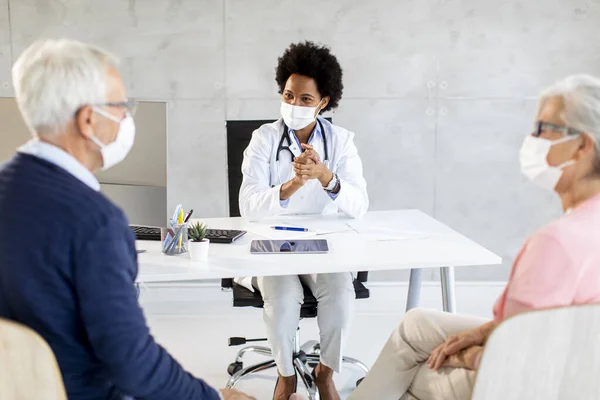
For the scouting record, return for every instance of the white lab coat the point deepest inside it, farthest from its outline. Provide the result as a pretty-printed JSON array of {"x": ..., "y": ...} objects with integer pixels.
[
  {"x": 259, "y": 198},
  {"x": 263, "y": 176}
]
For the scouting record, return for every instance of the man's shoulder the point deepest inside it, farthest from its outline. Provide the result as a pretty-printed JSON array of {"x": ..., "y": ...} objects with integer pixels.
[
  {"x": 65, "y": 195},
  {"x": 4, "y": 164},
  {"x": 101, "y": 210}
]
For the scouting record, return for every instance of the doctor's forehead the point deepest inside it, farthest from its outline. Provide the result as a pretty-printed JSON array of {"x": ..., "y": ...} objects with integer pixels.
[{"x": 301, "y": 84}]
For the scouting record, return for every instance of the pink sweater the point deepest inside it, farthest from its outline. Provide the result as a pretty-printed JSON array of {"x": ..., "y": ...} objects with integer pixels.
[{"x": 558, "y": 266}]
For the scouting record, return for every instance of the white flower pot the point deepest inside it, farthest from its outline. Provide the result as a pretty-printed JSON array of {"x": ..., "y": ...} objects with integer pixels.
[{"x": 199, "y": 250}]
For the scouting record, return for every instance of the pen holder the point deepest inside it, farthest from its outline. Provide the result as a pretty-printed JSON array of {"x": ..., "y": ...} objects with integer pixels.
[{"x": 174, "y": 240}]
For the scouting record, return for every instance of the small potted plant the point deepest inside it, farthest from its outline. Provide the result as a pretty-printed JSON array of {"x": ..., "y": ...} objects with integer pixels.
[{"x": 198, "y": 244}]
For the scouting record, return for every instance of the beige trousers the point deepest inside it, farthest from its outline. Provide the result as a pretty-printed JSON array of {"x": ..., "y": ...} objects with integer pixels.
[{"x": 401, "y": 371}]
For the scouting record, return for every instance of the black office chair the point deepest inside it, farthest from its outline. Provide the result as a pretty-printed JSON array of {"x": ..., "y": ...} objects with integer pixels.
[{"x": 306, "y": 356}]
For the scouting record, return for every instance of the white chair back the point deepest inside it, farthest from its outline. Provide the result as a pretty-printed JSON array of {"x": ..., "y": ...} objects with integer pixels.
[
  {"x": 543, "y": 355},
  {"x": 28, "y": 369}
]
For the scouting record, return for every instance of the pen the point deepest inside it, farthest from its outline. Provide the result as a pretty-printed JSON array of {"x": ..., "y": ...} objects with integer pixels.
[
  {"x": 176, "y": 214},
  {"x": 289, "y": 228},
  {"x": 188, "y": 216},
  {"x": 179, "y": 222},
  {"x": 169, "y": 239}
]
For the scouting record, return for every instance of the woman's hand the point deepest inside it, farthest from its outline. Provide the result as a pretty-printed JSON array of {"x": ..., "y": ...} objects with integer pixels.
[
  {"x": 293, "y": 185},
  {"x": 454, "y": 344},
  {"x": 467, "y": 358},
  {"x": 309, "y": 166},
  {"x": 300, "y": 178}
]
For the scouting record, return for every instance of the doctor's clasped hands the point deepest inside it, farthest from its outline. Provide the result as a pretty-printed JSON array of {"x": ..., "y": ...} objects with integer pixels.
[{"x": 309, "y": 166}]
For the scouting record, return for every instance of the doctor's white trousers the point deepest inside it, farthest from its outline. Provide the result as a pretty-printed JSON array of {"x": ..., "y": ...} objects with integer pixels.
[{"x": 283, "y": 297}]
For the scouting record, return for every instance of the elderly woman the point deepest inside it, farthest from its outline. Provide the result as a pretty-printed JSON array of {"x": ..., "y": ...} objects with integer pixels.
[{"x": 432, "y": 355}]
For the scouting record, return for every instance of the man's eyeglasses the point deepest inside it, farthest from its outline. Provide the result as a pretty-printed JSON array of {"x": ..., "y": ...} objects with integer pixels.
[
  {"x": 129, "y": 105},
  {"x": 546, "y": 126}
]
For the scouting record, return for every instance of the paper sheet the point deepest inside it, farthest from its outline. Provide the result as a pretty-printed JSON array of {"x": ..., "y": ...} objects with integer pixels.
[
  {"x": 319, "y": 227},
  {"x": 267, "y": 232},
  {"x": 380, "y": 230},
  {"x": 315, "y": 227}
]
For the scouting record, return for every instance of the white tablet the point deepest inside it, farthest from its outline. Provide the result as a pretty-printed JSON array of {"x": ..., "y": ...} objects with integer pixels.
[{"x": 317, "y": 246}]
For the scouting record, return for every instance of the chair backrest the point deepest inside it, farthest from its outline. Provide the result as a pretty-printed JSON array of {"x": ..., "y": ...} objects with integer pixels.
[
  {"x": 28, "y": 369},
  {"x": 239, "y": 134},
  {"x": 550, "y": 355}
]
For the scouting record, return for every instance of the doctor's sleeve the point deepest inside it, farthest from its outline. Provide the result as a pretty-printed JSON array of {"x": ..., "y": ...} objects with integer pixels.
[
  {"x": 257, "y": 198},
  {"x": 352, "y": 198}
]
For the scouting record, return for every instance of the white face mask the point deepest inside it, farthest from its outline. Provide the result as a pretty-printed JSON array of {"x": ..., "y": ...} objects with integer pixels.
[
  {"x": 297, "y": 117},
  {"x": 534, "y": 161},
  {"x": 115, "y": 152}
]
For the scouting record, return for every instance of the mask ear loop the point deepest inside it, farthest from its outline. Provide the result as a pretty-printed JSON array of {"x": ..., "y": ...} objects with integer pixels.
[
  {"x": 108, "y": 115},
  {"x": 564, "y": 140},
  {"x": 318, "y": 109}
]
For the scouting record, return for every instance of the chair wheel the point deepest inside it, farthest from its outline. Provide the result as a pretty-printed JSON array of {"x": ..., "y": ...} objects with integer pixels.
[
  {"x": 234, "y": 368},
  {"x": 358, "y": 382}
]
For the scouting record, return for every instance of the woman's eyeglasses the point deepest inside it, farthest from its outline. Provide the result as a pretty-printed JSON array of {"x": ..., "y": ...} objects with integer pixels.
[{"x": 546, "y": 126}]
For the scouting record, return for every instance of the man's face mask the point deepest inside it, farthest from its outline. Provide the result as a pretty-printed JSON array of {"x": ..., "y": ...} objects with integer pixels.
[{"x": 115, "y": 152}]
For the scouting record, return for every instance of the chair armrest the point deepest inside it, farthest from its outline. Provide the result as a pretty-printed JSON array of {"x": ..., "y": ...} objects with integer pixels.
[
  {"x": 226, "y": 283},
  {"x": 362, "y": 276}
]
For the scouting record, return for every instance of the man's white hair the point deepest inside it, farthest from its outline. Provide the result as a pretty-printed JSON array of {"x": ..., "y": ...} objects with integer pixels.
[{"x": 54, "y": 78}]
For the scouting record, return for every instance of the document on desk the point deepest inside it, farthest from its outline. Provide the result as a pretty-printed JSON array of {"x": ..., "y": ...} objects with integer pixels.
[
  {"x": 320, "y": 226},
  {"x": 381, "y": 230},
  {"x": 315, "y": 227},
  {"x": 266, "y": 230}
]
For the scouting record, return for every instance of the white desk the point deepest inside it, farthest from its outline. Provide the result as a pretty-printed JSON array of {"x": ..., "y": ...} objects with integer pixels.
[{"x": 349, "y": 251}]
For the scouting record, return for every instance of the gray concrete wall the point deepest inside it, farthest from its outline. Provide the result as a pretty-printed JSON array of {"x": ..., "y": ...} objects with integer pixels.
[{"x": 439, "y": 92}]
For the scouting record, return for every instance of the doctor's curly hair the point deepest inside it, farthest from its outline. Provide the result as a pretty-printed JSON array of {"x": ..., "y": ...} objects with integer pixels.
[{"x": 316, "y": 62}]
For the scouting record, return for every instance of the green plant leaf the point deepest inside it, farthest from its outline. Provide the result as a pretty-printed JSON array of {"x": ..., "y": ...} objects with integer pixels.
[{"x": 197, "y": 232}]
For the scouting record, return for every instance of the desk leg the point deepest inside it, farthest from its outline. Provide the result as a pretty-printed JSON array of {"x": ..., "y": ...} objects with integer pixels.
[
  {"x": 414, "y": 288},
  {"x": 447, "y": 280}
]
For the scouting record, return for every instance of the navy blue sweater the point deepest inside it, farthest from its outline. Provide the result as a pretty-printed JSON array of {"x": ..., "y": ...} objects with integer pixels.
[{"x": 67, "y": 270}]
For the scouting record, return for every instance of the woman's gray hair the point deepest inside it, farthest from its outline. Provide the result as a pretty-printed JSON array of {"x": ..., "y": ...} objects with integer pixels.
[
  {"x": 581, "y": 97},
  {"x": 54, "y": 78}
]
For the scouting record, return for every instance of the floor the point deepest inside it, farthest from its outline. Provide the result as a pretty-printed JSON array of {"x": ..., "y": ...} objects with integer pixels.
[{"x": 195, "y": 322}]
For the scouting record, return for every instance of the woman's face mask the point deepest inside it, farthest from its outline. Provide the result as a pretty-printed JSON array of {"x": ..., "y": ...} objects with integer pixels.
[
  {"x": 297, "y": 117},
  {"x": 534, "y": 161}
]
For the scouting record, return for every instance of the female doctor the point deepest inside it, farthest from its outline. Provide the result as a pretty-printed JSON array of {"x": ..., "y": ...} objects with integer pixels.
[{"x": 303, "y": 164}]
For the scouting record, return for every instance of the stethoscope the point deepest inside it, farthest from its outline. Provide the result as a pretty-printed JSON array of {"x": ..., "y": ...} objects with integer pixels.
[{"x": 286, "y": 137}]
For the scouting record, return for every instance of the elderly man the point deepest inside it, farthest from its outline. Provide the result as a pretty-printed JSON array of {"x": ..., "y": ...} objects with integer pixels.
[{"x": 67, "y": 257}]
